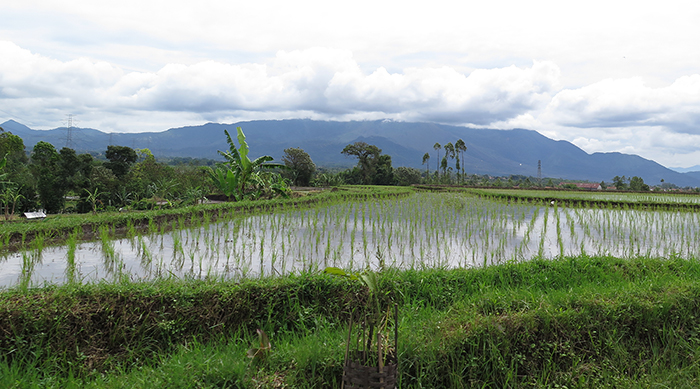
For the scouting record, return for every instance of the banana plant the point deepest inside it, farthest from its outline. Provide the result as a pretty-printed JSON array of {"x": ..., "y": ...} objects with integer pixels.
[
  {"x": 93, "y": 198},
  {"x": 9, "y": 191},
  {"x": 9, "y": 196},
  {"x": 224, "y": 180},
  {"x": 376, "y": 318},
  {"x": 368, "y": 279},
  {"x": 239, "y": 177}
]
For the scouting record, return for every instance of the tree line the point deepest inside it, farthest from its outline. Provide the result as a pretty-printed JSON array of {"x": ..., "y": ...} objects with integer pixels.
[
  {"x": 634, "y": 183},
  {"x": 65, "y": 181}
]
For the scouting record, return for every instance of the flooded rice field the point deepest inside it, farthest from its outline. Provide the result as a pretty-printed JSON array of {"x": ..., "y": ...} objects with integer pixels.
[{"x": 420, "y": 231}]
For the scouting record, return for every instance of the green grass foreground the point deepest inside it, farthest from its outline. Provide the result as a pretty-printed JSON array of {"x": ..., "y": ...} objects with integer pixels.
[{"x": 573, "y": 322}]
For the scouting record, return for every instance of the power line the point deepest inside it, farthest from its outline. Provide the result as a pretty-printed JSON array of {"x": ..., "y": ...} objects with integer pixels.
[{"x": 14, "y": 116}]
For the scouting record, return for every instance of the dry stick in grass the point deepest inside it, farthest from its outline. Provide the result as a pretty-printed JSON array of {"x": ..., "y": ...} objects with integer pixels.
[
  {"x": 347, "y": 350},
  {"x": 396, "y": 336},
  {"x": 379, "y": 355}
]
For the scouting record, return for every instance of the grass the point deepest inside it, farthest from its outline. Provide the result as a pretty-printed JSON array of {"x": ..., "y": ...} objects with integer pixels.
[
  {"x": 658, "y": 201},
  {"x": 576, "y": 322}
]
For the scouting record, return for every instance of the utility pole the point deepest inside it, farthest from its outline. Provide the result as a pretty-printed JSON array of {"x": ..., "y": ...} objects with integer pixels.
[{"x": 539, "y": 172}]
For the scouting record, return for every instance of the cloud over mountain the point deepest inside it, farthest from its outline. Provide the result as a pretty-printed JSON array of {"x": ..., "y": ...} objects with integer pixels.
[
  {"x": 330, "y": 84},
  {"x": 319, "y": 80}
]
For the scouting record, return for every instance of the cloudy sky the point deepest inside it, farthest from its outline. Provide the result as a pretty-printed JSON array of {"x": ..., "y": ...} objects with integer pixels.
[{"x": 606, "y": 75}]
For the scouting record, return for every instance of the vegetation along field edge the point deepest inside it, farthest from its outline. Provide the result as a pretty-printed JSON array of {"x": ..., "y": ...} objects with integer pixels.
[{"x": 571, "y": 322}]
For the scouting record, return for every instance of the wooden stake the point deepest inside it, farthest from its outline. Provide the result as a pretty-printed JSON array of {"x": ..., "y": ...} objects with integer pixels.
[{"x": 347, "y": 350}]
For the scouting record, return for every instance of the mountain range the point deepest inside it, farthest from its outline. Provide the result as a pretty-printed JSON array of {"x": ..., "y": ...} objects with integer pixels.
[{"x": 493, "y": 152}]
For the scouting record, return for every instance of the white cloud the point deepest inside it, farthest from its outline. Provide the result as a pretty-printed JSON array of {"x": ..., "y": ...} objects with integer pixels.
[
  {"x": 612, "y": 114},
  {"x": 326, "y": 81},
  {"x": 629, "y": 102},
  {"x": 24, "y": 75},
  {"x": 445, "y": 95}
]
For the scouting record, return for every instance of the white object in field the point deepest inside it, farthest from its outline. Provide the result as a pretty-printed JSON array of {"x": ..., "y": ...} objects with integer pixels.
[{"x": 40, "y": 214}]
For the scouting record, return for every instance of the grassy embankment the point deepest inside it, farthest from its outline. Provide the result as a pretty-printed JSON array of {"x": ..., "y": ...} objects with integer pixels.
[
  {"x": 572, "y": 322},
  {"x": 597, "y": 199}
]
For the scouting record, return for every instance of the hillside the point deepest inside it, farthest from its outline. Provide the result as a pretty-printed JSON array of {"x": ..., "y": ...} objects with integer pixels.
[{"x": 494, "y": 152}]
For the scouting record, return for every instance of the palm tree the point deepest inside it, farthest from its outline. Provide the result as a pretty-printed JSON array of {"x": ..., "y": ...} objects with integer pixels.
[
  {"x": 449, "y": 153},
  {"x": 443, "y": 166},
  {"x": 461, "y": 147},
  {"x": 437, "y": 148},
  {"x": 426, "y": 159}
]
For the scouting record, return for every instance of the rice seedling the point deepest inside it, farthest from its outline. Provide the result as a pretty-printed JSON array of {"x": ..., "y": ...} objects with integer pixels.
[
  {"x": 152, "y": 226},
  {"x": 71, "y": 247}
]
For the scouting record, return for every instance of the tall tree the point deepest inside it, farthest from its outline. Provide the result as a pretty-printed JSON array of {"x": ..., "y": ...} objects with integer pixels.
[
  {"x": 301, "y": 167},
  {"x": 12, "y": 147},
  {"x": 437, "y": 148},
  {"x": 461, "y": 147},
  {"x": 74, "y": 170},
  {"x": 449, "y": 150},
  {"x": 637, "y": 184},
  {"x": 9, "y": 193},
  {"x": 120, "y": 160},
  {"x": 443, "y": 166},
  {"x": 449, "y": 154},
  {"x": 19, "y": 172},
  {"x": 619, "y": 183},
  {"x": 367, "y": 155},
  {"x": 384, "y": 172},
  {"x": 45, "y": 166},
  {"x": 426, "y": 159}
]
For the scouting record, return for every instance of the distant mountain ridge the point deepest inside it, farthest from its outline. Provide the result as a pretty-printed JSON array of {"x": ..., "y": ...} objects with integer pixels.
[
  {"x": 692, "y": 169},
  {"x": 494, "y": 152}
]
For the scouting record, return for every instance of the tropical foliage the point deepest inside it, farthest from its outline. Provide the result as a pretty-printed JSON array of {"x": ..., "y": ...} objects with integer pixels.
[{"x": 240, "y": 178}]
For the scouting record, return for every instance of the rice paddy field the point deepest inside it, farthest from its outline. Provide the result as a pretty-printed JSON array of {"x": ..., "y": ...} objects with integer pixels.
[
  {"x": 423, "y": 230},
  {"x": 493, "y": 292}
]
